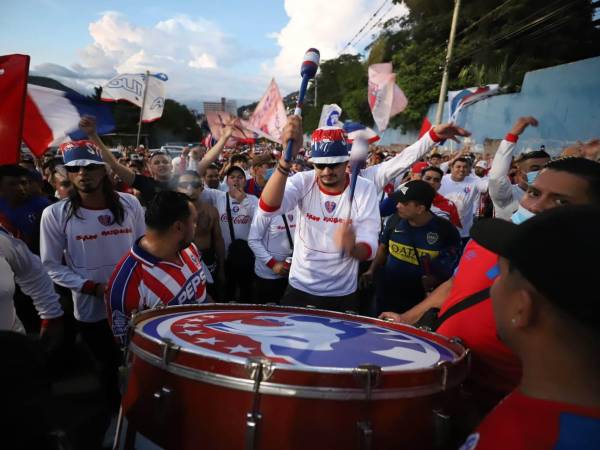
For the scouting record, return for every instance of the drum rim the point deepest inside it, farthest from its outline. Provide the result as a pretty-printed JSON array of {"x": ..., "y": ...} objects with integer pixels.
[
  {"x": 300, "y": 391},
  {"x": 447, "y": 342}
]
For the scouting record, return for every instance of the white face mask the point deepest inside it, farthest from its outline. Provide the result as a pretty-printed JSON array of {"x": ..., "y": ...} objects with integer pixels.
[
  {"x": 531, "y": 176},
  {"x": 521, "y": 215}
]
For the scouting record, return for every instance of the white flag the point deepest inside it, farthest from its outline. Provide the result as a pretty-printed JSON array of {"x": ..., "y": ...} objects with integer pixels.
[
  {"x": 130, "y": 87},
  {"x": 268, "y": 118},
  {"x": 385, "y": 98},
  {"x": 330, "y": 116}
]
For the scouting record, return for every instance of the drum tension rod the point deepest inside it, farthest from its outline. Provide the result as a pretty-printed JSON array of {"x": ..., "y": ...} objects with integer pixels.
[
  {"x": 369, "y": 375},
  {"x": 259, "y": 370},
  {"x": 169, "y": 351}
]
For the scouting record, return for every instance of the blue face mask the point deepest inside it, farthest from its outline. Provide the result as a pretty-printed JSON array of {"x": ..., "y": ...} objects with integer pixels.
[
  {"x": 531, "y": 176},
  {"x": 269, "y": 172},
  {"x": 521, "y": 215}
]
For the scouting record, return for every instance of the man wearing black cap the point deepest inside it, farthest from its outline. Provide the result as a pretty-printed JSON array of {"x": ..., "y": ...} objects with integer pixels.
[
  {"x": 417, "y": 249},
  {"x": 546, "y": 310}
]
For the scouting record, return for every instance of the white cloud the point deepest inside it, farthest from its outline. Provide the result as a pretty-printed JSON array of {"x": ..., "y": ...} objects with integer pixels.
[
  {"x": 325, "y": 25},
  {"x": 196, "y": 54}
]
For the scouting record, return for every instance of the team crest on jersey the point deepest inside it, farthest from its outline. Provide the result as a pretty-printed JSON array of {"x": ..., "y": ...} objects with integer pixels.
[
  {"x": 31, "y": 217},
  {"x": 304, "y": 341},
  {"x": 432, "y": 237},
  {"x": 467, "y": 189},
  {"x": 235, "y": 208},
  {"x": 106, "y": 220},
  {"x": 290, "y": 217},
  {"x": 330, "y": 206}
]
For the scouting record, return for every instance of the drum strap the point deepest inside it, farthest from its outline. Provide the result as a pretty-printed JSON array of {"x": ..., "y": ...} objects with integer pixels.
[
  {"x": 229, "y": 218},
  {"x": 287, "y": 230},
  {"x": 466, "y": 303}
]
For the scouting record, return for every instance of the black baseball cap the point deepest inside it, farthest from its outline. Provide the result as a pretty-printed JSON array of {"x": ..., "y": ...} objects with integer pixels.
[
  {"x": 556, "y": 252},
  {"x": 417, "y": 190}
]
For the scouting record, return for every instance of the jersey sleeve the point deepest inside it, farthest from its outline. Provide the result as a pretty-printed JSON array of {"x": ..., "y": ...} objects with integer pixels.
[
  {"x": 444, "y": 265},
  {"x": 383, "y": 173},
  {"x": 137, "y": 212},
  {"x": 31, "y": 277},
  {"x": 52, "y": 246},
  {"x": 260, "y": 226},
  {"x": 368, "y": 221},
  {"x": 500, "y": 186},
  {"x": 122, "y": 297}
]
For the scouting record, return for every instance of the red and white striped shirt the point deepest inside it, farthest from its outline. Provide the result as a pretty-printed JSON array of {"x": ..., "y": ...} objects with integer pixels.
[{"x": 141, "y": 281}]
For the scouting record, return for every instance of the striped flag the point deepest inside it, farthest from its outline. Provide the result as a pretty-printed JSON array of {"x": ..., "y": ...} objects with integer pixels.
[
  {"x": 52, "y": 117},
  {"x": 13, "y": 89},
  {"x": 457, "y": 100}
]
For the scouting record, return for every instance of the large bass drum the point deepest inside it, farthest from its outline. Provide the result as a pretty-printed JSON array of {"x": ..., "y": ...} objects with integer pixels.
[{"x": 225, "y": 377}]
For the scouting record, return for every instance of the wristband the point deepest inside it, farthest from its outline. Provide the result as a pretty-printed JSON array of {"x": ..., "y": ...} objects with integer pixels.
[{"x": 283, "y": 170}]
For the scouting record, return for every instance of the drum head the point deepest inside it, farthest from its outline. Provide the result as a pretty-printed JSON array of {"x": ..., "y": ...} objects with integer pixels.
[{"x": 297, "y": 339}]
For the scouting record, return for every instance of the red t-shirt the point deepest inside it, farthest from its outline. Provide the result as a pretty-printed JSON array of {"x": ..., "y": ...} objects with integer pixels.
[
  {"x": 520, "y": 422},
  {"x": 494, "y": 366}
]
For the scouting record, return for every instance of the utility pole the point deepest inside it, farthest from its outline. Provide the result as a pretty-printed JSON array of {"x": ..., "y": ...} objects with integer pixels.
[
  {"x": 137, "y": 141},
  {"x": 444, "y": 86}
]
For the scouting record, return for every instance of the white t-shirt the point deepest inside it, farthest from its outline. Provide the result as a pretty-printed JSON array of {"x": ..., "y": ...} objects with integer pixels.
[
  {"x": 318, "y": 267},
  {"x": 91, "y": 245},
  {"x": 268, "y": 240},
  {"x": 18, "y": 264},
  {"x": 241, "y": 213},
  {"x": 464, "y": 194}
]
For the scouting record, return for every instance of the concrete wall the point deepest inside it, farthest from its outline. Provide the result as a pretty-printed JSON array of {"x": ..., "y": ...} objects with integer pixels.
[{"x": 565, "y": 99}]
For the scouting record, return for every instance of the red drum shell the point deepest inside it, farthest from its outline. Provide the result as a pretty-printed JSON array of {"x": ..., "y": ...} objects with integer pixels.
[{"x": 196, "y": 401}]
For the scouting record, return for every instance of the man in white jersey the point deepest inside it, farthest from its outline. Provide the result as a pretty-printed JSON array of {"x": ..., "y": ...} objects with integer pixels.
[
  {"x": 328, "y": 247},
  {"x": 463, "y": 189},
  {"x": 271, "y": 239},
  {"x": 18, "y": 265},
  {"x": 163, "y": 268},
  {"x": 82, "y": 239},
  {"x": 505, "y": 195}
]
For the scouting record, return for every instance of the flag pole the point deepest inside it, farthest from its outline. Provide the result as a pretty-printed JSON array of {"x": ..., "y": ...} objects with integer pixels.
[
  {"x": 137, "y": 141},
  {"x": 444, "y": 86}
]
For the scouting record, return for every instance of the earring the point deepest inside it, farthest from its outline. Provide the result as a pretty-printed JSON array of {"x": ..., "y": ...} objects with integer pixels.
[{"x": 513, "y": 321}]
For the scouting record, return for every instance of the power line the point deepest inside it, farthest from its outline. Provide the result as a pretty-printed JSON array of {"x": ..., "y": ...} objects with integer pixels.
[
  {"x": 383, "y": 16},
  {"x": 363, "y": 27},
  {"x": 482, "y": 18}
]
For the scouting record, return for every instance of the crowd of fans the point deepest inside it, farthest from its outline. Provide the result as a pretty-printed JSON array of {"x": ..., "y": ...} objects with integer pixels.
[{"x": 88, "y": 236}]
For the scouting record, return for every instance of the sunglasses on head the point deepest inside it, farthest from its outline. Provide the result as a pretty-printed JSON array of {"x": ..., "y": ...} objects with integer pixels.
[
  {"x": 193, "y": 184},
  {"x": 89, "y": 167},
  {"x": 325, "y": 166}
]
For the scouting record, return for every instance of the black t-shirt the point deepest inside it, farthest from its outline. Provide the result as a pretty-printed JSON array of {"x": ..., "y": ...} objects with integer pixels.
[{"x": 149, "y": 187}]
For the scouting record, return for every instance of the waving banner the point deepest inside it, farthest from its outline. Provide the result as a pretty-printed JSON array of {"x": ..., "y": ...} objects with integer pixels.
[
  {"x": 130, "y": 87},
  {"x": 386, "y": 99},
  {"x": 268, "y": 118}
]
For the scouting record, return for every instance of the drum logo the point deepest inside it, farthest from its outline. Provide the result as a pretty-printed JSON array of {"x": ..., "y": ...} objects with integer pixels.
[{"x": 306, "y": 341}]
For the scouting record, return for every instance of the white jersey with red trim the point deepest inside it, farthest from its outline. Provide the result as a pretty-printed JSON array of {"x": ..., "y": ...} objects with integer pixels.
[
  {"x": 390, "y": 170},
  {"x": 18, "y": 265},
  {"x": 141, "y": 281},
  {"x": 91, "y": 244},
  {"x": 270, "y": 243},
  {"x": 318, "y": 267},
  {"x": 505, "y": 195}
]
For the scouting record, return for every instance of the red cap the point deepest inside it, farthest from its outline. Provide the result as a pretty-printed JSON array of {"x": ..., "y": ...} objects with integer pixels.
[{"x": 418, "y": 167}]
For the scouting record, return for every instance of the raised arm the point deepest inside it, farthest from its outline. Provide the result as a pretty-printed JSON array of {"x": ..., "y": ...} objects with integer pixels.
[
  {"x": 88, "y": 125},
  {"x": 499, "y": 183},
  {"x": 213, "y": 154},
  {"x": 272, "y": 195}
]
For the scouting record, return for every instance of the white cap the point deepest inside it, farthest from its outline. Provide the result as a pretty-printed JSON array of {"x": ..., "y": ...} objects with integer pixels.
[{"x": 483, "y": 164}]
